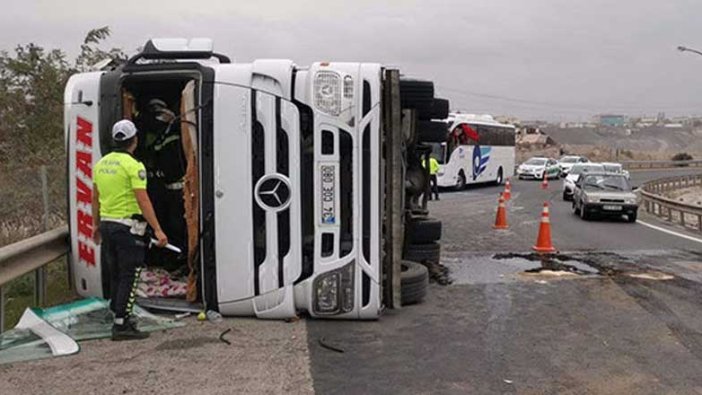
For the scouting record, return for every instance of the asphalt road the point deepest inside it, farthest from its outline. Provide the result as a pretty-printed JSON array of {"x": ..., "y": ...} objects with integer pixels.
[{"x": 617, "y": 313}]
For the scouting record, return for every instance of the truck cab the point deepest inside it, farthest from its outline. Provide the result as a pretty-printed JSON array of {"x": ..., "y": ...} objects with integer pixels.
[{"x": 281, "y": 178}]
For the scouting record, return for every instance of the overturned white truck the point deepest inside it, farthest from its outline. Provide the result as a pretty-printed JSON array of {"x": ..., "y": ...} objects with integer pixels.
[{"x": 294, "y": 184}]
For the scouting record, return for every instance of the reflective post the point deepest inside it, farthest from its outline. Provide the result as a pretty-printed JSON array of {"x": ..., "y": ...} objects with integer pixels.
[
  {"x": 2, "y": 309},
  {"x": 40, "y": 274}
]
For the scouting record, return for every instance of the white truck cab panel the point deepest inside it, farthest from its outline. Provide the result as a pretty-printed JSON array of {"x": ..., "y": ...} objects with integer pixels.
[{"x": 81, "y": 100}]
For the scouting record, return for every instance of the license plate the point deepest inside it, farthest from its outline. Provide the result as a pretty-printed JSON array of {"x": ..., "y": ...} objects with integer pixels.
[
  {"x": 612, "y": 208},
  {"x": 328, "y": 197}
]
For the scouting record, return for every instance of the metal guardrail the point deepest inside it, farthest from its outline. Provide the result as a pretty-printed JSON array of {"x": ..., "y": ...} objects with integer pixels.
[
  {"x": 660, "y": 164},
  {"x": 687, "y": 215},
  {"x": 30, "y": 255}
]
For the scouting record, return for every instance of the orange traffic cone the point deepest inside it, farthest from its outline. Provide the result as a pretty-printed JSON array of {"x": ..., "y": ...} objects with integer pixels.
[
  {"x": 501, "y": 218},
  {"x": 507, "y": 194},
  {"x": 544, "y": 183},
  {"x": 543, "y": 241}
]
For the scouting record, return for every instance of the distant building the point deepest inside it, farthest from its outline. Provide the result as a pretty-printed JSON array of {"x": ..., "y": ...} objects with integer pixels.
[{"x": 611, "y": 120}]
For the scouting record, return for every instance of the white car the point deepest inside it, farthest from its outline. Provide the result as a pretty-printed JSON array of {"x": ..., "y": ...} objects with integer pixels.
[
  {"x": 615, "y": 168},
  {"x": 568, "y": 161},
  {"x": 536, "y": 168},
  {"x": 574, "y": 174}
]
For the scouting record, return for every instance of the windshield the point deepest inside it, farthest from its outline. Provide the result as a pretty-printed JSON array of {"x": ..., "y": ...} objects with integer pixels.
[
  {"x": 606, "y": 183},
  {"x": 613, "y": 168},
  {"x": 580, "y": 169},
  {"x": 438, "y": 151},
  {"x": 569, "y": 159},
  {"x": 536, "y": 161}
]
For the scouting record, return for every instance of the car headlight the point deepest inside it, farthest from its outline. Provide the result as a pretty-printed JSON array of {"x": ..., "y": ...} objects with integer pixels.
[
  {"x": 327, "y": 92},
  {"x": 333, "y": 291},
  {"x": 630, "y": 201},
  {"x": 586, "y": 199}
]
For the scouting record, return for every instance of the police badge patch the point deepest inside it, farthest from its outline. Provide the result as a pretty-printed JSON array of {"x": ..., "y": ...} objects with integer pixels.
[{"x": 142, "y": 174}]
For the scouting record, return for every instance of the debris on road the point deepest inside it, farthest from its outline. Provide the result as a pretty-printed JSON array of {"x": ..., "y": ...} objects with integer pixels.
[
  {"x": 55, "y": 331},
  {"x": 658, "y": 276},
  {"x": 323, "y": 342},
  {"x": 221, "y": 336},
  {"x": 438, "y": 273}
]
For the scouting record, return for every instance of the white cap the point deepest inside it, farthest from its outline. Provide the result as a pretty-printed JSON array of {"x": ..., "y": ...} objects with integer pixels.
[{"x": 123, "y": 130}]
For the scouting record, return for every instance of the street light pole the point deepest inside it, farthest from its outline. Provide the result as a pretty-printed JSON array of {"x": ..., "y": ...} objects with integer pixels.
[{"x": 686, "y": 49}]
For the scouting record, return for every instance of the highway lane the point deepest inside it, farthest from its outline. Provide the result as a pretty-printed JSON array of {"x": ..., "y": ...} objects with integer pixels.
[
  {"x": 471, "y": 213},
  {"x": 500, "y": 329}
]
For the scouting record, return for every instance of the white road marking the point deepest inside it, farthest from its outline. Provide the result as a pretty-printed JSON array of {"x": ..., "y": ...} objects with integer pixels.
[{"x": 670, "y": 232}]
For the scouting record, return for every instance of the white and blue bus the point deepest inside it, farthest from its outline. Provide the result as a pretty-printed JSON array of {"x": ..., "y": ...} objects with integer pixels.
[{"x": 478, "y": 150}]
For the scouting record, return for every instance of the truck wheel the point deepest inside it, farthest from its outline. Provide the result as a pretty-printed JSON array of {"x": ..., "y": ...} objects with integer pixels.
[
  {"x": 431, "y": 131},
  {"x": 440, "y": 109},
  {"x": 423, "y": 252},
  {"x": 418, "y": 95},
  {"x": 425, "y": 230},
  {"x": 414, "y": 280},
  {"x": 461, "y": 183}
]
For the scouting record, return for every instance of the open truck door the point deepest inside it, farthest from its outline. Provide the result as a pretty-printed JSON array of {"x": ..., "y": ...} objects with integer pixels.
[{"x": 81, "y": 127}]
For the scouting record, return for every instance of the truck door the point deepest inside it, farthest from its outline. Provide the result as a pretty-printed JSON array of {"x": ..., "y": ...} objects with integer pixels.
[
  {"x": 83, "y": 144},
  {"x": 257, "y": 204}
]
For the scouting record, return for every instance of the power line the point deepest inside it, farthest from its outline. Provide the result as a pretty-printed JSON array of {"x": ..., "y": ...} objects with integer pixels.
[{"x": 568, "y": 107}]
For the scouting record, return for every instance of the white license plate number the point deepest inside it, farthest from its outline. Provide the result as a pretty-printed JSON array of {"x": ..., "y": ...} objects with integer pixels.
[
  {"x": 612, "y": 208},
  {"x": 328, "y": 198}
]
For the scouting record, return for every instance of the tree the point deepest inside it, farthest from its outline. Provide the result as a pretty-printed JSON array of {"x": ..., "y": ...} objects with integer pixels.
[{"x": 32, "y": 81}]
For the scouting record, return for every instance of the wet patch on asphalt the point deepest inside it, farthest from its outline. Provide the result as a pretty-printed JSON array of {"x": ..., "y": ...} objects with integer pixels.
[{"x": 510, "y": 267}]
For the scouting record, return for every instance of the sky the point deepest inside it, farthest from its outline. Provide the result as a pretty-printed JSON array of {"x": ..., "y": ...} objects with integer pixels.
[{"x": 559, "y": 60}]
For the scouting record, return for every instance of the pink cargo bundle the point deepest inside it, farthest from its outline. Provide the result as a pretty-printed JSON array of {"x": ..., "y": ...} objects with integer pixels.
[{"x": 158, "y": 283}]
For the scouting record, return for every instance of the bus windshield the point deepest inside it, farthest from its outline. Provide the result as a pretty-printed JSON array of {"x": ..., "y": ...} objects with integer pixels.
[{"x": 438, "y": 151}]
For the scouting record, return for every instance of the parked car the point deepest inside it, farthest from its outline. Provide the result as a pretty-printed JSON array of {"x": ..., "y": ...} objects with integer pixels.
[
  {"x": 615, "y": 168},
  {"x": 568, "y": 161},
  {"x": 536, "y": 168},
  {"x": 604, "y": 194},
  {"x": 575, "y": 172}
]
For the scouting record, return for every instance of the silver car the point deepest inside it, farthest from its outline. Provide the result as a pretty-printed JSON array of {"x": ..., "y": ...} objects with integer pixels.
[
  {"x": 574, "y": 174},
  {"x": 606, "y": 195}
]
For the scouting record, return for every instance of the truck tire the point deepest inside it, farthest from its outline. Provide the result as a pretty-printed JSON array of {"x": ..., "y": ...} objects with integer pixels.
[
  {"x": 418, "y": 95},
  {"x": 423, "y": 252},
  {"x": 431, "y": 131},
  {"x": 414, "y": 280},
  {"x": 424, "y": 230},
  {"x": 440, "y": 109}
]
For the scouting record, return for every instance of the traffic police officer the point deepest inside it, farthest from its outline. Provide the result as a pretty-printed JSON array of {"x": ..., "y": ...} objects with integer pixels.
[
  {"x": 122, "y": 208},
  {"x": 433, "y": 171}
]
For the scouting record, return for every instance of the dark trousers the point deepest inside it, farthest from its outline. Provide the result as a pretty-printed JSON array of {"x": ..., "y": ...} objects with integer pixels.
[
  {"x": 170, "y": 211},
  {"x": 124, "y": 254},
  {"x": 434, "y": 186}
]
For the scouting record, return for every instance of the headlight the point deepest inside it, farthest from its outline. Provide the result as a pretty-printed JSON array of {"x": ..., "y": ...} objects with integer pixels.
[
  {"x": 586, "y": 199},
  {"x": 630, "y": 201},
  {"x": 327, "y": 92},
  {"x": 333, "y": 291}
]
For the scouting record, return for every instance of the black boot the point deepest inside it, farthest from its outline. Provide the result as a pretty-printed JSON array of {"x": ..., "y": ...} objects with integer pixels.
[{"x": 127, "y": 331}]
